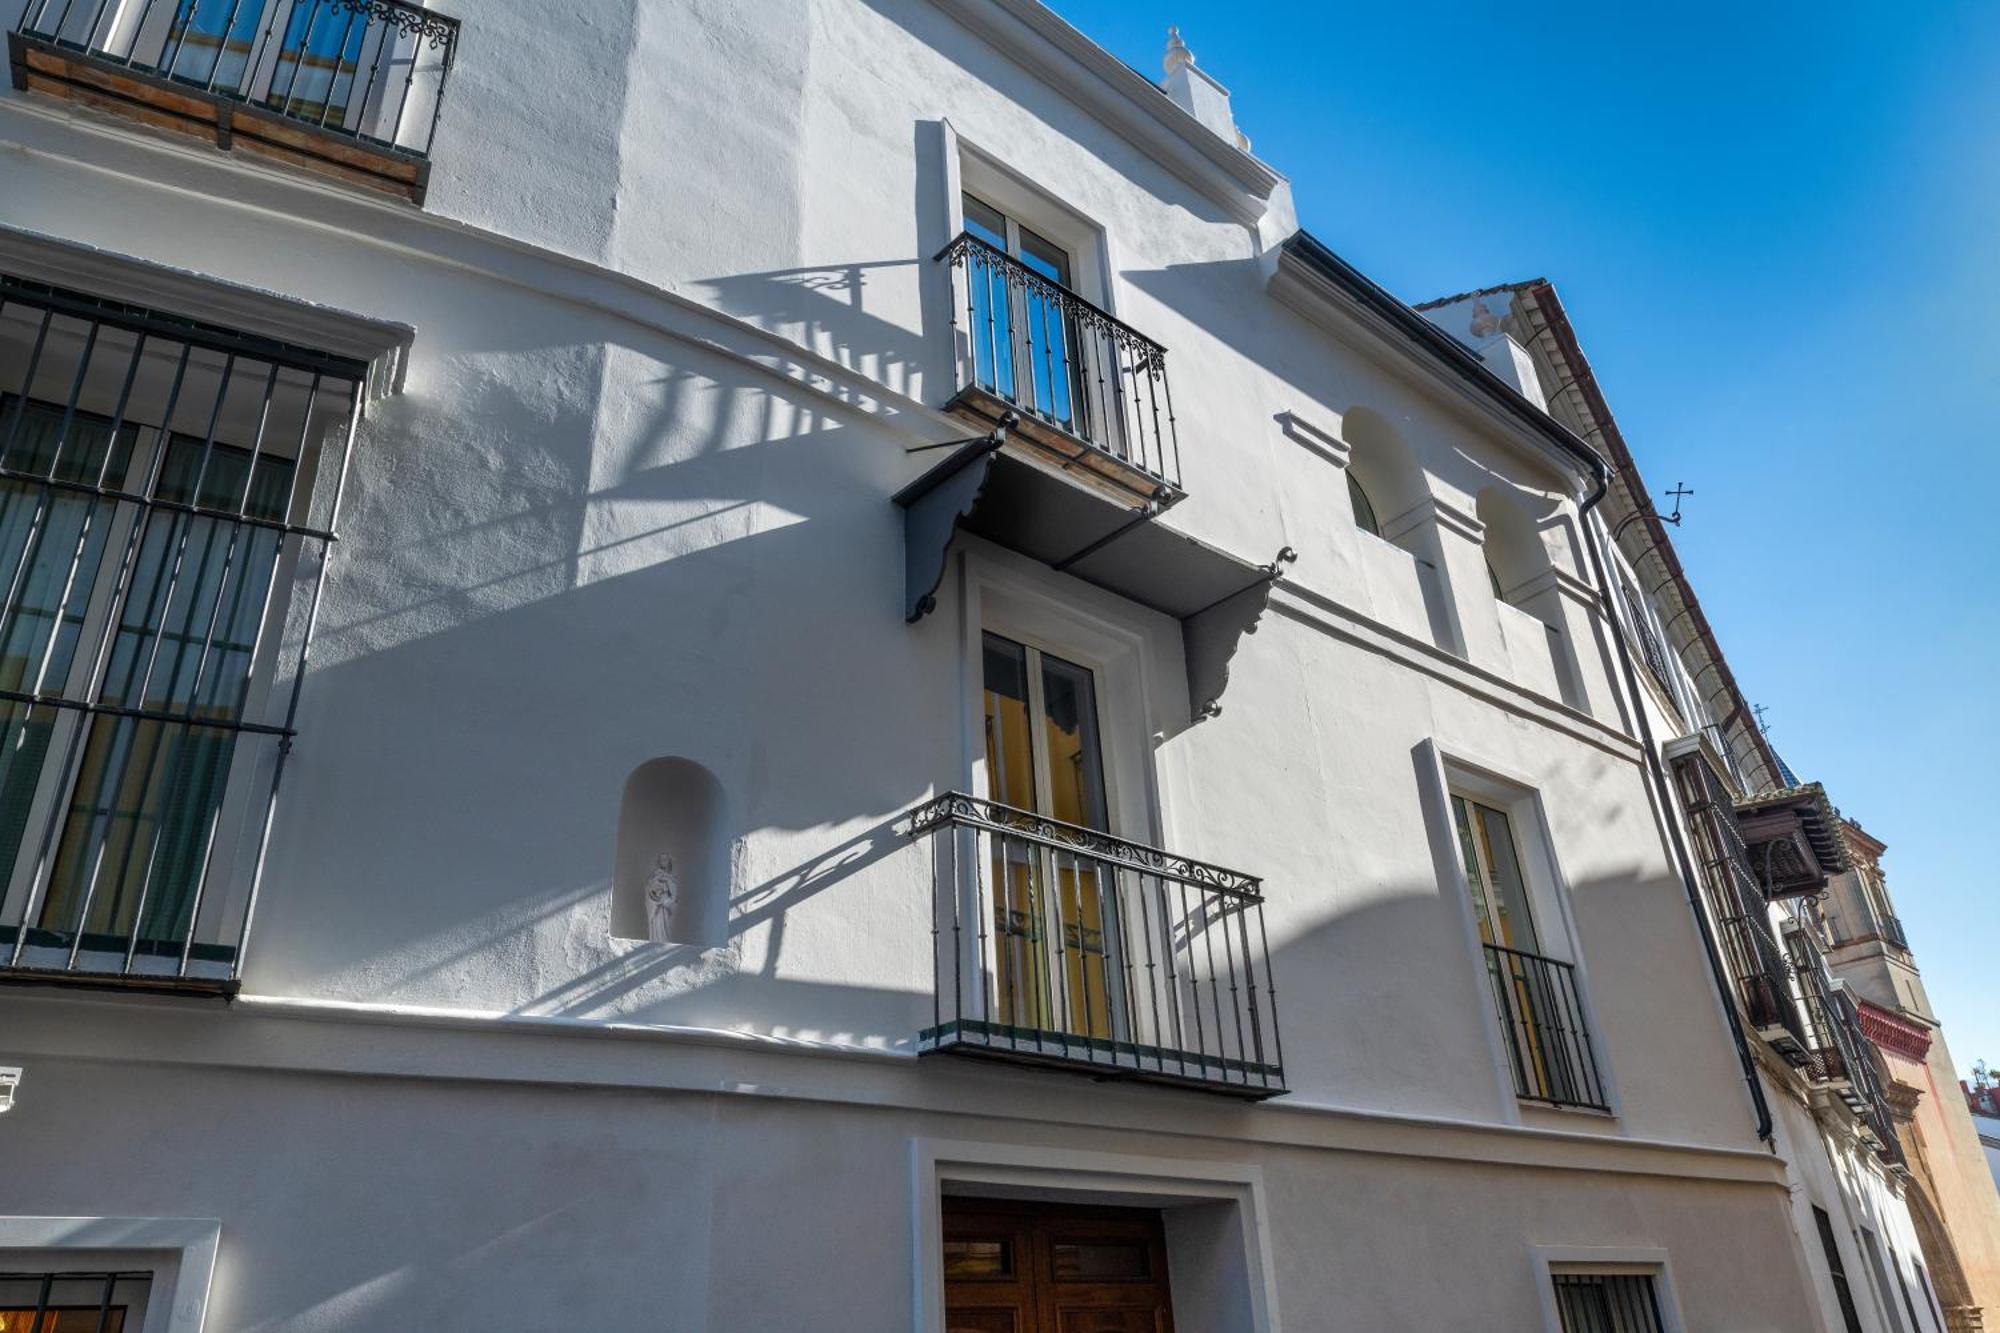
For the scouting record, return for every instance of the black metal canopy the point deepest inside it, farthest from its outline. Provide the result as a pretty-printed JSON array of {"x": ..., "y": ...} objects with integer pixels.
[{"x": 985, "y": 488}]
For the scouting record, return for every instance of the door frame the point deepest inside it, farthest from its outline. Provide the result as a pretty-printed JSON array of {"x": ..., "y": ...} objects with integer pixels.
[{"x": 1057, "y": 1175}]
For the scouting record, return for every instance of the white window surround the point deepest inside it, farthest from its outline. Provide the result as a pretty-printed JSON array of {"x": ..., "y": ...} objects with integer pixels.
[
  {"x": 1546, "y": 1261},
  {"x": 1134, "y": 657},
  {"x": 1243, "y": 1299},
  {"x": 974, "y": 170},
  {"x": 1441, "y": 775},
  {"x": 180, "y": 1251}
]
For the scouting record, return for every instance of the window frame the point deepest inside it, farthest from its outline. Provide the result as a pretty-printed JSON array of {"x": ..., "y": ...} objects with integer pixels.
[
  {"x": 1546, "y": 1262},
  {"x": 179, "y": 1253}
]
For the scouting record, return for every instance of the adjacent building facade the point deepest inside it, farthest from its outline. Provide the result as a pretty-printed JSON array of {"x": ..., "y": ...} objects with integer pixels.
[{"x": 735, "y": 665}]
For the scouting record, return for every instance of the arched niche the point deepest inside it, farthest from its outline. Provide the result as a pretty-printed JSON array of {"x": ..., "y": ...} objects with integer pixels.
[
  {"x": 670, "y": 878},
  {"x": 1514, "y": 548},
  {"x": 1381, "y": 463}
]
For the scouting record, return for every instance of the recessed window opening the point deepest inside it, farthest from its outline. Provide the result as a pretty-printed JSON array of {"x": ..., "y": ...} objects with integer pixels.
[
  {"x": 1535, "y": 995},
  {"x": 1849, "y": 1316},
  {"x": 156, "y": 494},
  {"x": 1027, "y": 342},
  {"x": 1044, "y": 755},
  {"x": 1608, "y": 1303}
]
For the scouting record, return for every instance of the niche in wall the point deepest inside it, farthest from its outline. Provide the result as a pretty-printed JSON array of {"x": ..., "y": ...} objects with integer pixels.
[{"x": 670, "y": 879}]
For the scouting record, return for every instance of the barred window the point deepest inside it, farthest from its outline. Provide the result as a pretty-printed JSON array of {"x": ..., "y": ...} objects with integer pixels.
[
  {"x": 167, "y": 493},
  {"x": 60, "y": 1302},
  {"x": 1608, "y": 1303}
]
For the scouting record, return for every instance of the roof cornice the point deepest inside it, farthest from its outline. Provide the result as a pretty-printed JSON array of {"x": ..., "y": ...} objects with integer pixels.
[
  {"x": 1320, "y": 285},
  {"x": 1034, "y": 36}
]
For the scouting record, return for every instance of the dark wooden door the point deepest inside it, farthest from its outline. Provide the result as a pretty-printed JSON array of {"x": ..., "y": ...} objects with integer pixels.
[{"x": 1013, "y": 1267}]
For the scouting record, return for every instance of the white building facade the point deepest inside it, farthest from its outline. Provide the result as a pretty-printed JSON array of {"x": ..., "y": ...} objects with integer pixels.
[
  {"x": 1762, "y": 855},
  {"x": 738, "y": 665}
]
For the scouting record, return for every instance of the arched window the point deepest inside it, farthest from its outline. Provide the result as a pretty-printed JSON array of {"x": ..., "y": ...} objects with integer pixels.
[{"x": 1364, "y": 509}]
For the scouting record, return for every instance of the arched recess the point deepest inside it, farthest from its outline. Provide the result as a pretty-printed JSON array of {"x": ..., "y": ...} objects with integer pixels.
[
  {"x": 1523, "y": 577},
  {"x": 1382, "y": 464},
  {"x": 670, "y": 878},
  {"x": 1514, "y": 550}
]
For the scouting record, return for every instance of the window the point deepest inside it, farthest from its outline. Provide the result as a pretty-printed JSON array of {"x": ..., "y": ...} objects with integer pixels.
[
  {"x": 66, "y": 1302},
  {"x": 1364, "y": 509},
  {"x": 155, "y": 497},
  {"x": 1044, "y": 756},
  {"x": 1535, "y": 996},
  {"x": 1608, "y": 1303},
  {"x": 1850, "y": 1317},
  {"x": 1025, "y": 342}
]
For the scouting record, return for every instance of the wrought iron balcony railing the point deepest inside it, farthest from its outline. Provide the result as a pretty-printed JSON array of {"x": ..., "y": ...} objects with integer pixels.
[
  {"x": 1062, "y": 945},
  {"x": 1764, "y": 985},
  {"x": 1091, "y": 392},
  {"x": 1548, "y": 1041},
  {"x": 281, "y": 76}
]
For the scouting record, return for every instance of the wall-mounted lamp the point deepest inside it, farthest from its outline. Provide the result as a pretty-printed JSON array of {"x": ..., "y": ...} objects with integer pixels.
[{"x": 10, "y": 1079}]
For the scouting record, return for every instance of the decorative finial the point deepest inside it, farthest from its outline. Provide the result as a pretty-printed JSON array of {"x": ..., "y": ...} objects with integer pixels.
[{"x": 1178, "y": 54}]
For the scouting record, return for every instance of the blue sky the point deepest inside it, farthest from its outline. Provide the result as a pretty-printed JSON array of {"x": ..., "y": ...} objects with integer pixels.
[{"x": 1775, "y": 228}]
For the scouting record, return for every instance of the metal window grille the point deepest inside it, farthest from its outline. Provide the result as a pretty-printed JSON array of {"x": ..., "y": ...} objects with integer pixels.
[
  {"x": 371, "y": 70},
  {"x": 1048, "y": 352},
  {"x": 168, "y": 493},
  {"x": 73, "y": 1302},
  {"x": 1850, "y": 1317},
  {"x": 1650, "y": 647},
  {"x": 1062, "y": 945},
  {"x": 1548, "y": 1042},
  {"x": 1608, "y": 1303}
]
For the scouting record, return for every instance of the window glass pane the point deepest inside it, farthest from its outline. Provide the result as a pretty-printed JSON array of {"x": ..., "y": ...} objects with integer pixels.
[
  {"x": 1103, "y": 1261},
  {"x": 1364, "y": 509},
  {"x": 1076, "y": 766},
  {"x": 978, "y": 1258},
  {"x": 1010, "y": 763},
  {"x": 209, "y": 42},
  {"x": 142, "y": 814},
  {"x": 318, "y": 62},
  {"x": 986, "y": 222},
  {"x": 1050, "y": 334},
  {"x": 991, "y": 301},
  {"x": 1514, "y": 922},
  {"x": 1045, "y": 257}
]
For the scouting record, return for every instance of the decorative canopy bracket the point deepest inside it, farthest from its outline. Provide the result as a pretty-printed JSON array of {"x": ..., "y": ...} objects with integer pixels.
[{"x": 1009, "y": 497}]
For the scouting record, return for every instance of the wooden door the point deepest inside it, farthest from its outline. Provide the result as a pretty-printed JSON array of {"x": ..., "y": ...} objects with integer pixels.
[{"x": 1016, "y": 1267}]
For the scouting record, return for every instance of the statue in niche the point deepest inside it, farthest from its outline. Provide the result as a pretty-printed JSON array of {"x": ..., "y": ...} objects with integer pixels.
[{"x": 663, "y": 890}]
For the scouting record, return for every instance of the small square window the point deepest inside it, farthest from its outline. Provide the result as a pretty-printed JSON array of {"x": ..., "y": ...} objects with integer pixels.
[{"x": 1608, "y": 1303}]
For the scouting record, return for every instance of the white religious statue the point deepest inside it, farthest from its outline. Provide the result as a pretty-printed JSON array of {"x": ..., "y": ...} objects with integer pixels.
[{"x": 663, "y": 890}]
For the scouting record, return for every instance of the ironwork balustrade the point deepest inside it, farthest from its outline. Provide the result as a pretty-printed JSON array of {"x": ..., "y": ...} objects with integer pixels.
[
  {"x": 1756, "y": 961},
  {"x": 167, "y": 497},
  {"x": 1057, "y": 944},
  {"x": 1548, "y": 1041},
  {"x": 372, "y": 71},
  {"x": 1042, "y": 350}
]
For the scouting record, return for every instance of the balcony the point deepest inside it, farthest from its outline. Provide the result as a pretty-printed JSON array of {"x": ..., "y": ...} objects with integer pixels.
[
  {"x": 1764, "y": 986},
  {"x": 1548, "y": 1041},
  {"x": 344, "y": 88},
  {"x": 1088, "y": 393},
  {"x": 1062, "y": 946},
  {"x": 1791, "y": 840}
]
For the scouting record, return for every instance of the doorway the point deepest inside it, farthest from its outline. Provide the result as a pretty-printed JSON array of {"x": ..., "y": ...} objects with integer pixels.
[{"x": 1013, "y": 1266}]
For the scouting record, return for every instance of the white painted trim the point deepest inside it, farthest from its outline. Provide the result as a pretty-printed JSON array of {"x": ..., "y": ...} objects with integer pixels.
[
  {"x": 1118, "y": 97},
  {"x": 1548, "y": 1260},
  {"x": 383, "y": 344},
  {"x": 1126, "y": 1178},
  {"x": 189, "y": 1244}
]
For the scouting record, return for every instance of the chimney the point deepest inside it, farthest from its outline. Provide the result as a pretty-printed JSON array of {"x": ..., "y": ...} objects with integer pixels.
[{"x": 1199, "y": 95}]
